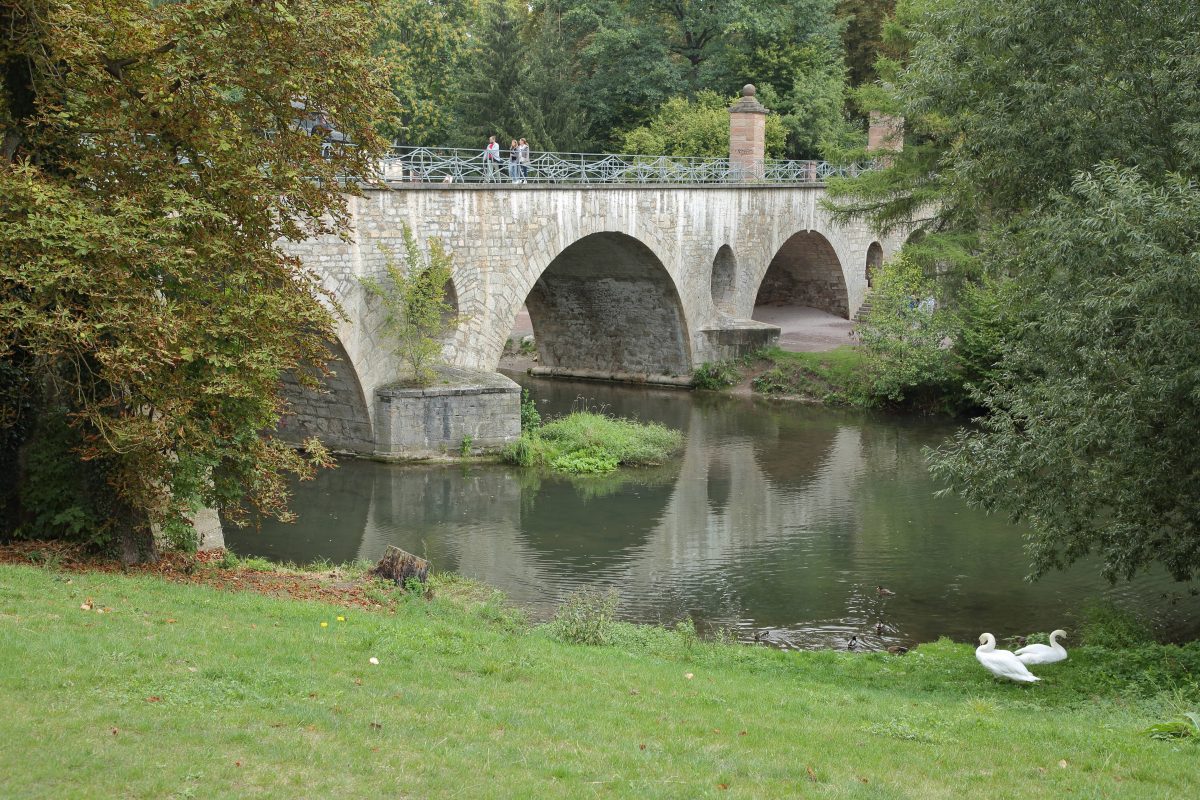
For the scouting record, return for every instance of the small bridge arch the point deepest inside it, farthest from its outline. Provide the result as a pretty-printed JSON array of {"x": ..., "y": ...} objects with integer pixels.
[
  {"x": 337, "y": 414},
  {"x": 805, "y": 271}
]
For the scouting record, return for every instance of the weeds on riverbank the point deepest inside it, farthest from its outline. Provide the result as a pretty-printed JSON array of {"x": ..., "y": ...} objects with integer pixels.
[
  {"x": 586, "y": 442},
  {"x": 846, "y": 376},
  {"x": 835, "y": 377}
]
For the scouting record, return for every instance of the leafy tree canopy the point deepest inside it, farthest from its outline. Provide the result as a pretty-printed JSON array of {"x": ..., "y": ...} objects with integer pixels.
[
  {"x": 422, "y": 45},
  {"x": 862, "y": 36},
  {"x": 1006, "y": 101},
  {"x": 154, "y": 154},
  {"x": 697, "y": 129},
  {"x": 1090, "y": 431},
  {"x": 1052, "y": 153},
  {"x": 634, "y": 55}
]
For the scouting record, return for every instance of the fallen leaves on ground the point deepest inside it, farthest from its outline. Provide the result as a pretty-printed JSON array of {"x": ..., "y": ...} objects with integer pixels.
[{"x": 202, "y": 569}]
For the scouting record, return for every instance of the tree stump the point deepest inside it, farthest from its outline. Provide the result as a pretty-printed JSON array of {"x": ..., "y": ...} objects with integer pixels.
[{"x": 398, "y": 565}]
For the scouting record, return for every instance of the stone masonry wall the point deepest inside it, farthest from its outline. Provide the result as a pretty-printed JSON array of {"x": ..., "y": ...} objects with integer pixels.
[
  {"x": 484, "y": 407},
  {"x": 337, "y": 415}
]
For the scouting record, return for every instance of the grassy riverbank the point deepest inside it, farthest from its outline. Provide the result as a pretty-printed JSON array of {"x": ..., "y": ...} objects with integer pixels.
[
  {"x": 180, "y": 690},
  {"x": 844, "y": 376},
  {"x": 832, "y": 377}
]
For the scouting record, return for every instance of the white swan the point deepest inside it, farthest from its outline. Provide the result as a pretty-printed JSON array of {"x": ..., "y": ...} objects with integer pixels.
[
  {"x": 1044, "y": 653},
  {"x": 1002, "y": 663}
]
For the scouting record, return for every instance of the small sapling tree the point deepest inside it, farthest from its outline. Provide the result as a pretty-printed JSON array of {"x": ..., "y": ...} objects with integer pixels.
[{"x": 414, "y": 298}]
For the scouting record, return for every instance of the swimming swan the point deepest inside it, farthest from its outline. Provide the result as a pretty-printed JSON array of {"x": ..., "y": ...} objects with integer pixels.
[
  {"x": 1044, "y": 653},
  {"x": 1002, "y": 663}
]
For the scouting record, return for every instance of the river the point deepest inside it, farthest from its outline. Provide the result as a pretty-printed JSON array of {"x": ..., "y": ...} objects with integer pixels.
[{"x": 779, "y": 521}]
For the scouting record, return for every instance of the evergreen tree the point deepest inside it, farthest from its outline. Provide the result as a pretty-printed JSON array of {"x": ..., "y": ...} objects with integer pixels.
[
  {"x": 549, "y": 104},
  {"x": 489, "y": 91}
]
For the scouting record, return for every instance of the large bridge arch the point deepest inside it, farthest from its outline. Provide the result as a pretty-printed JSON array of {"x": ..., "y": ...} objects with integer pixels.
[{"x": 607, "y": 303}]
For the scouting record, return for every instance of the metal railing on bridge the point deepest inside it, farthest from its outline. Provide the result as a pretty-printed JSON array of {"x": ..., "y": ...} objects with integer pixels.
[{"x": 459, "y": 165}]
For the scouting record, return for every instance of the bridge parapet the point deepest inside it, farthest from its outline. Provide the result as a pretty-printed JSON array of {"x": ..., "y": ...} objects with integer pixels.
[{"x": 447, "y": 165}]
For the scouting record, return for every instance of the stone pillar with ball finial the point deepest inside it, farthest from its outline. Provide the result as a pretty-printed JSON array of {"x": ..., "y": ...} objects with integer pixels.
[{"x": 747, "y": 136}]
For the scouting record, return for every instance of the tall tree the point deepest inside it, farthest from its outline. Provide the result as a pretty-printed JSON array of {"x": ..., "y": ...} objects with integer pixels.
[
  {"x": 549, "y": 103},
  {"x": 488, "y": 91},
  {"x": 154, "y": 155},
  {"x": 1090, "y": 435},
  {"x": 862, "y": 36},
  {"x": 634, "y": 55},
  {"x": 422, "y": 46},
  {"x": 999, "y": 115}
]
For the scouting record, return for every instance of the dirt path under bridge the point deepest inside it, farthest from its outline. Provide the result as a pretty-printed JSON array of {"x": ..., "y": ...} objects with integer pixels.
[{"x": 802, "y": 330}]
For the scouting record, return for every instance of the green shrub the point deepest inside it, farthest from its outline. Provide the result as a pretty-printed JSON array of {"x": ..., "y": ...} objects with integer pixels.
[
  {"x": 54, "y": 492},
  {"x": 1106, "y": 625},
  {"x": 531, "y": 420},
  {"x": 587, "y": 617},
  {"x": 715, "y": 376}
]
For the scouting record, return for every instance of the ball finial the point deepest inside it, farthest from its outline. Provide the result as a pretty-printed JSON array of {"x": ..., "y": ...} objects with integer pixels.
[{"x": 748, "y": 90}]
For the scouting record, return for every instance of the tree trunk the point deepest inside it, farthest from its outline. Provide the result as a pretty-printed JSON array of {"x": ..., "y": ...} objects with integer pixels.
[{"x": 135, "y": 538}]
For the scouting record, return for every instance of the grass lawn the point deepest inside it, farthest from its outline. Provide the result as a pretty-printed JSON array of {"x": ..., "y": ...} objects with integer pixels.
[{"x": 181, "y": 690}]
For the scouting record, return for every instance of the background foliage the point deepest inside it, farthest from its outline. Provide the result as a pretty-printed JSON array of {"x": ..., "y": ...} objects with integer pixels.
[{"x": 1049, "y": 178}]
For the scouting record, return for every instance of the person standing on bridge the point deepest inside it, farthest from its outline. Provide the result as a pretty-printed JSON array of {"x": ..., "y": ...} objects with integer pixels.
[
  {"x": 514, "y": 169},
  {"x": 522, "y": 161},
  {"x": 491, "y": 159}
]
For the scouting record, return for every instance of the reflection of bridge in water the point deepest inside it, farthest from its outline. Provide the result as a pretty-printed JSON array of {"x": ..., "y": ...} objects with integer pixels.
[{"x": 720, "y": 505}]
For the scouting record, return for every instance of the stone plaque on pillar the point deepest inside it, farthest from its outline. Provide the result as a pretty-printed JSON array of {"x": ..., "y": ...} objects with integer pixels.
[{"x": 747, "y": 136}]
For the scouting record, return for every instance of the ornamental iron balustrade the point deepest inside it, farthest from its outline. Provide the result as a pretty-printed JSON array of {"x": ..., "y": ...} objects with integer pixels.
[{"x": 460, "y": 165}]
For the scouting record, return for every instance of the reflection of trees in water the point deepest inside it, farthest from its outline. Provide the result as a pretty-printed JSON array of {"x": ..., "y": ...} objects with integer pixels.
[
  {"x": 784, "y": 516},
  {"x": 428, "y": 508},
  {"x": 331, "y": 512}
]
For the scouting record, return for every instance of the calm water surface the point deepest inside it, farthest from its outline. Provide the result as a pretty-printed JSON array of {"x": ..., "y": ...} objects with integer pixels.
[{"x": 777, "y": 519}]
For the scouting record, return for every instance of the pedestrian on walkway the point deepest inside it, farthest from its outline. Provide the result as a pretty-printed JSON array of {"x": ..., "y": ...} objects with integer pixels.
[
  {"x": 514, "y": 168},
  {"x": 523, "y": 161},
  {"x": 491, "y": 159}
]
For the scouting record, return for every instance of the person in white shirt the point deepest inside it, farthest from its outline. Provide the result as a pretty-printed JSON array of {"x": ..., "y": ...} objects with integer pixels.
[{"x": 491, "y": 159}]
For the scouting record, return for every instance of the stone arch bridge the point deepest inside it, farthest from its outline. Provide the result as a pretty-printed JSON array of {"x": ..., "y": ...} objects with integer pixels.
[{"x": 632, "y": 282}]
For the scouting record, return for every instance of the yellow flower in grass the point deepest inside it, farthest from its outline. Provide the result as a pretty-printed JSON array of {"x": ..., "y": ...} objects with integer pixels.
[
  {"x": 324, "y": 624},
  {"x": 341, "y": 619}
]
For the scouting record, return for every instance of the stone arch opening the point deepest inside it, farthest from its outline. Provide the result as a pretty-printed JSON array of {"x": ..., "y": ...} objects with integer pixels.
[
  {"x": 723, "y": 283},
  {"x": 336, "y": 413},
  {"x": 606, "y": 304},
  {"x": 805, "y": 272},
  {"x": 874, "y": 262}
]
